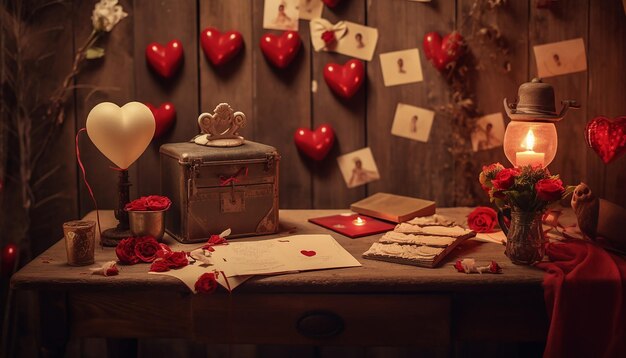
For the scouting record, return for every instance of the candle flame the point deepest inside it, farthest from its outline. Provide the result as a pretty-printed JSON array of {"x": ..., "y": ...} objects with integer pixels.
[{"x": 530, "y": 140}]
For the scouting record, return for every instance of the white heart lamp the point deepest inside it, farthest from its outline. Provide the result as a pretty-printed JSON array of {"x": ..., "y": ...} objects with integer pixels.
[{"x": 122, "y": 134}]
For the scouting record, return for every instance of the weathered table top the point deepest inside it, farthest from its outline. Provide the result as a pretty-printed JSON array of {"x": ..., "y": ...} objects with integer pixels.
[{"x": 50, "y": 270}]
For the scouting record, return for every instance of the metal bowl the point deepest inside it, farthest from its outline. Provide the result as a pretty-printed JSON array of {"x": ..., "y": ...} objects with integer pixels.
[{"x": 147, "y": 223}]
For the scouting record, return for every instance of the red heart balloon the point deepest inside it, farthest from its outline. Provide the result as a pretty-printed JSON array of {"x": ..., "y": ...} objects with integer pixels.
[
  {"x": 220, "y": 48},
  {"x": 331, "y": 3},
  {"x": 607, "y": 137},
  {"x": 345, "y": 79},
  {"x": 315, "y": 144},
  {"x": 281, "y": 50},
  {"x": 164, "y": 117},
  {"x": 165, "y": 60},
  {"x": 441, "y": 52},
  {"x": 308, "y": 253}
]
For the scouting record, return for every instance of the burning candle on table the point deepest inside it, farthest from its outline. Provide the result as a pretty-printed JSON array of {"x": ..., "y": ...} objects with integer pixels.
[
  {"x": 359, "y": 221},
  {"x": 529, "y": 157}
]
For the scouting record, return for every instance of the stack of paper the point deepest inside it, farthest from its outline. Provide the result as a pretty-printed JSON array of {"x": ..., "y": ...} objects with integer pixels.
[{"x": 420, "y": 242}]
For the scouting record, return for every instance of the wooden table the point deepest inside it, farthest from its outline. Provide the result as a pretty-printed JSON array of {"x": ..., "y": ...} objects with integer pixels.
[{"x": 377, "y": 304}]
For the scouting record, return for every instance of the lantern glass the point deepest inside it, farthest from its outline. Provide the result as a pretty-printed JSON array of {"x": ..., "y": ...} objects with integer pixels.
[{"x": 530, "y": 143}]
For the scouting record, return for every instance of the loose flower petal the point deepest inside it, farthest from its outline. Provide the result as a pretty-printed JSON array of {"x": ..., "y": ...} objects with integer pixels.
[{"x": 108, "y": 268}]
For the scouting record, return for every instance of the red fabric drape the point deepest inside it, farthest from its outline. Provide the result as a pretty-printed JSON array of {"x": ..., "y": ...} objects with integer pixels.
[{"x": 585, "y": 295}]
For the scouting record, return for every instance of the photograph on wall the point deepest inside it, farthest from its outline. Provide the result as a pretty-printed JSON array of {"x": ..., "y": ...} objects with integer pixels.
[
  {"x": 560, "y": 58},
  {"x": 281, "y": 14},
  {"x": 310, "y": 9},
  {"x": 359, "y": 41},
  {"x": 488, "y": 132},
  {"x": 358, "y": 167},
  {"x": 401, "y": 67},
  {"x": 412, "y": 122}
]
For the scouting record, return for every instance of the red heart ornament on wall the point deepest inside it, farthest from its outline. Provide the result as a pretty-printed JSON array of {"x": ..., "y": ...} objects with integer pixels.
[
  {"x": 345, "y": 80},
  {"x": 331, "y": 3},
  {"x": 441, "y": 52},
  {"x": 165, "y": 60},
  {"x": 281, "y": 50},
  {"x": 219, "y": 47},
  {"x": 164, "y": 117},
  {"x": 607, "y": 137},
  {"x": 315, "y": 144}
]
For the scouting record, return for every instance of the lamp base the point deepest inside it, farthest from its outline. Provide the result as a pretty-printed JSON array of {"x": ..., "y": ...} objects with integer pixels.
[{"x": 111, "y": 237}]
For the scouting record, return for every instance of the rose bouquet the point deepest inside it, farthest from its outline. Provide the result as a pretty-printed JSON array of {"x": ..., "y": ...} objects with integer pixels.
[
  {"x": 527, "y": 189},
  {"x": 149, "y": 203}
]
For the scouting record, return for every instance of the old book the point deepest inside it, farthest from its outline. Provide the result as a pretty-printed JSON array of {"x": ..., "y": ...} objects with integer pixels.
[
  {"x": 452, "y": 231},
  {"x": 394, "y": 208}
]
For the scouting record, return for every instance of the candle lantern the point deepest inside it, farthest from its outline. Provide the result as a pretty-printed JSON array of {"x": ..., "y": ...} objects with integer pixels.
[{"x": 531, "y": 138}]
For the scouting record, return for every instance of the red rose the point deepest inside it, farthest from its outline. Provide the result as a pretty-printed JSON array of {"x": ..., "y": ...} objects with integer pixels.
[
  {"x": 125, "y": 251},
  {"x": 328, "y": 37},
  {"x": 482, "y": 219},
  {"x": 207, "y": 283},
  {"x": 504, "y": 179},
  {"x": 157, "y": 203},
  {"x": 136, "y": 205},
  {"x": 159, "y": 265},
  {"x": 178, "y": 259},
  {"x": 146, "y": 248},
  {"x": 549, "y": 189}
]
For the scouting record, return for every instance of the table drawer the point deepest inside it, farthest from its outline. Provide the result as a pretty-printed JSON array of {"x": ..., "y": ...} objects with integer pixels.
[{"x": 323, "y": 319}]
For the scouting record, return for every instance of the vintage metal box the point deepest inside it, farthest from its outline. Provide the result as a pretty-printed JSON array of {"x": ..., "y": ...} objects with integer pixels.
[{"x": 213, "y": 189}]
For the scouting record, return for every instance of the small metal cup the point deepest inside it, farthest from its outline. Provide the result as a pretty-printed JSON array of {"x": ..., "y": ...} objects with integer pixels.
[
  {"x": 80, "y": 242},
  {"x": 147, "y": 223}
]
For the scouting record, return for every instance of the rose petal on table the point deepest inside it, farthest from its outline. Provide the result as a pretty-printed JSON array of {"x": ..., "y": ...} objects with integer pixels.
[{"x": 108, "y": 268}]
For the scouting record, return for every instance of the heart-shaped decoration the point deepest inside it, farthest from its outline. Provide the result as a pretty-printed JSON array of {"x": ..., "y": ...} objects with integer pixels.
[
  {"x": 308, "y": 253},
  {"x": 121, "y": 133},
  {"x": 165, "y": 60},
  {"x": 441, "y": 52},
  {"x": 345, "y": 80},
  {"x": 318, "y": 27},
  {"x": 607, "y": 137},
  {"x": 315, "y": 144},
  {"x": 281, "y": 50},
  {"x": 220, "y": 48},
  {"x": 331, "y": 3},
  {"x": 164, "y": 116}
]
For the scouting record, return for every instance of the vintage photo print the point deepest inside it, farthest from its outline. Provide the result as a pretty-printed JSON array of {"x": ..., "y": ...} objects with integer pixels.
[
  {"x": 358, "y": 167},
  {"x": 311, "y": 9},
  {"x": 401, "y": 67},
  {"x": 359, "y": 41},
  {"x": 281, "y": 14},
  {"x": 559, "y": 58},
  {"x": 412, "y": 122},
  {"x": 488, "y": 132}
]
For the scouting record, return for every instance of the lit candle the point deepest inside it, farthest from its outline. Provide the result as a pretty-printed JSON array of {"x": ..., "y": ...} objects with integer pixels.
[
  {"x": 529, "y": 157},
  {"x": 358, "y": 221}
]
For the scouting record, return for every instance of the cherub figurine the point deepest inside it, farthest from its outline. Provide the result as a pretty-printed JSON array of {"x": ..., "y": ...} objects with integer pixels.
[
  {"x": 599, "y": 218},
  {"x": 221, "y": 129}
]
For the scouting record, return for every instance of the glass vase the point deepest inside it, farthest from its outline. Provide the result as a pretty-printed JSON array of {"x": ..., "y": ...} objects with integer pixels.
[{"x": 525, "y": 243}]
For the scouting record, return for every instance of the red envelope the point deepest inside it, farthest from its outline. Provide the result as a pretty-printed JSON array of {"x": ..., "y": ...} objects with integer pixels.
[{"x": 350, "y": 226}]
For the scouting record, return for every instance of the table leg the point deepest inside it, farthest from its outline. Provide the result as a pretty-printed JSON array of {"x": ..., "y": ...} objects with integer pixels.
[
  {"x": 53, "y": 325},
  {"x": 122, "y": 348}
]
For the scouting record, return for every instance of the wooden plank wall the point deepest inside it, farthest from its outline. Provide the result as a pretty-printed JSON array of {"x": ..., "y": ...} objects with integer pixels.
[{"x": 279, "y": 101}]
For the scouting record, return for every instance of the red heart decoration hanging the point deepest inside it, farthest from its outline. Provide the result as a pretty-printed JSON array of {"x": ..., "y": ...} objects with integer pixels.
[
  {"x": 308, "y": 253},
  {"x": 441, "y": 52},
  {"x": 165, "y": 60},
  {"x": 220, "y": 48},
  {"x": 607, "y": 137},
  {"x": 281, "y": 50},
  {"x": 331, "y": 3},
  {"x": 164, "y": 117},
  {"x": 8, "y": 259},
  {"x": 315, "y": 144},
  {"x": 345, "y": 79}
]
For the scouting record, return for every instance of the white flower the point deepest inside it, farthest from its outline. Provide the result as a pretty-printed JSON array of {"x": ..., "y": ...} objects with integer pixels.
[{"x": 106, "y": 14}]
